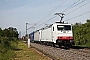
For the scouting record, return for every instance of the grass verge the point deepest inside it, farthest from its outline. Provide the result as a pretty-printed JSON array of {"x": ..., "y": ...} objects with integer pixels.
[{"x": 25, "y": 53}]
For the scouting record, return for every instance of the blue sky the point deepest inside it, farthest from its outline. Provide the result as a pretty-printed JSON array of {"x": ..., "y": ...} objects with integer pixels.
[{"x": 16, "y": 13}]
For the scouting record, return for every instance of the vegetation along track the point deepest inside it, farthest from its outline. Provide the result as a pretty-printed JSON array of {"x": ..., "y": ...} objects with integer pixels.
[{"x": 64, "y": 54}]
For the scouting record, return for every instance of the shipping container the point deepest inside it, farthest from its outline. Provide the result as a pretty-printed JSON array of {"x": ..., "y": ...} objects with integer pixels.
[
  {"x": 46, "y": 34},
  {"x": 37, "y": 35},
  {"x": 31, "y": 36}
]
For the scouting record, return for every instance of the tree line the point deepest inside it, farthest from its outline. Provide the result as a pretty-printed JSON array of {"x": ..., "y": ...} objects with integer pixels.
[
  {"x": 8, "y": 43},
  {"x": 82, "y": 33},
  {"x": 9, "y": 32}
]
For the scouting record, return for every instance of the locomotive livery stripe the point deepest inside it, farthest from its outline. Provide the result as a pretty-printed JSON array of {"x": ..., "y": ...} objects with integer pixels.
[{"x": 65, "y": 38}]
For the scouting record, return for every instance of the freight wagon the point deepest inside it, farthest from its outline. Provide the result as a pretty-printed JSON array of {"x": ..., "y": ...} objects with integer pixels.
[{"x": 31, "y": 36}]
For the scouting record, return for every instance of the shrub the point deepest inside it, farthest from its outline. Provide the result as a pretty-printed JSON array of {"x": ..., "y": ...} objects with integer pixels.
[{"x": 7, "y": 45}]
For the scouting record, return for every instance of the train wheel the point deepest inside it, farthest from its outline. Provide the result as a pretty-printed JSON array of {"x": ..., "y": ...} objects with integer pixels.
[{"x": 60, "y": 45}]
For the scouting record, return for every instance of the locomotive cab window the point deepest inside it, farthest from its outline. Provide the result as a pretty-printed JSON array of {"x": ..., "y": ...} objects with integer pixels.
[
  {"x": 60, "y": 28},
  {"x": 63, "y": 27},
  {"x": 53, "y": 28}
]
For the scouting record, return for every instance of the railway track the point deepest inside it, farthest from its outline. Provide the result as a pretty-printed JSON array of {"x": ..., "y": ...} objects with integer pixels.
[{"x": 64, "y": 54}]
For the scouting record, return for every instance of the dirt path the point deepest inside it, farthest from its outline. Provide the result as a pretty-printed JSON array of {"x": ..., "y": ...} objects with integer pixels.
[{"x": 23, "y": 53}]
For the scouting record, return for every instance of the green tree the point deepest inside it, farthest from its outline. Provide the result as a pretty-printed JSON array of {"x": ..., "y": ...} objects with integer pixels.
[
  {"x": 8, "y": 42},
  {"x": 82, "y": 33}
]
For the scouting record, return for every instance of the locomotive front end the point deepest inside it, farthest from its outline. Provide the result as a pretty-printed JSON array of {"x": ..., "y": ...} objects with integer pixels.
[{"x": 65, "y": 35}]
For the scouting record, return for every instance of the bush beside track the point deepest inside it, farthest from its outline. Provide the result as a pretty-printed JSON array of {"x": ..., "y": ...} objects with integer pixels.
[
  {"x": 7, "y": 45},
  {"x": 82, "y": 34}
]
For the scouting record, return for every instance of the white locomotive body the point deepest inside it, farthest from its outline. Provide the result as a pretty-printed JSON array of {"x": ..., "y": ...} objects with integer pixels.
[{"x": 57, "y": 33}]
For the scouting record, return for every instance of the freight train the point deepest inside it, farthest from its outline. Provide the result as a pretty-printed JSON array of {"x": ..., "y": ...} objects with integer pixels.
[{"x": 55, "y": 34}]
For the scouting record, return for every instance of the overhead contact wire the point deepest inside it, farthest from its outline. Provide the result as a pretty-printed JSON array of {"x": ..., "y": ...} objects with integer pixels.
[
  {"x": 70, "y": 5},
  {"x": 78, "y": 7},
  {"x": 87, "y": 12},
  {"x": 74, "y": 5},
  {"x": 50, "y": 12},
  {"x": 46, "y": 21},
  {"x": 61, "y": 2}
]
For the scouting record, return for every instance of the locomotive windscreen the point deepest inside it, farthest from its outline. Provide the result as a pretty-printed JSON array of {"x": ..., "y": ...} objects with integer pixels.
[{"x": 63, "y": 27}]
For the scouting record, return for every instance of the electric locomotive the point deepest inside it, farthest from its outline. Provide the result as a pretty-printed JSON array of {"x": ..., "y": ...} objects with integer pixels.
[{"x": 59, "y": 33}]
